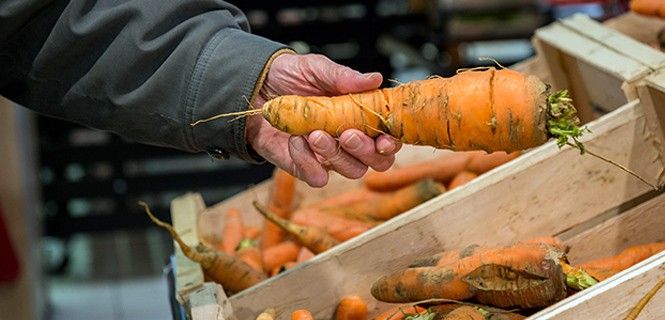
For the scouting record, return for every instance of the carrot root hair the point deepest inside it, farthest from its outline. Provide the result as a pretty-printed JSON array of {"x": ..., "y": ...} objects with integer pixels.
[{"x": 238, "y": 115}]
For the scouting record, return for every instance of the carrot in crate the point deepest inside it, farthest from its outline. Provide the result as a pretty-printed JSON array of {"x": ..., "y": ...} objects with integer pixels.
[
  {"x": 232, "y": 233},
  {"x": 301, "y": 314},
  {"x": 280, "y": 202},
  {"x": 267, "y": 314},
  {"x": 280, "y": 254},
  {"x": 304, "y": 255},
  {"x": 229, "y": 271},
  {"x": 315, "y": 239},
  {"x": 483, "y": 162},
  {"x": 279, "y": 269},
  {"x": 249, "y": 252},
  {"x": 251, "y": 232},
  {"x": 351, "y": 307},
  {"x": 461, "y": 179},
  {"x": 606, "y": 267},
  {"x": 441, "y": 169},
  {"x": 339, "y": 227},
  {"x": 354, "y": 195},
  {"x": 401, "y": 312}
]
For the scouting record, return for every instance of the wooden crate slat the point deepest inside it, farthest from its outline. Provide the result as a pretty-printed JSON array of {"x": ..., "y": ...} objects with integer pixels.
[{"x": 185, "y": 211}]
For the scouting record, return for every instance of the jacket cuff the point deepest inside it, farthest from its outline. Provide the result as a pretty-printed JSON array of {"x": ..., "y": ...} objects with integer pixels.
[{"x": 227, "y": 78}]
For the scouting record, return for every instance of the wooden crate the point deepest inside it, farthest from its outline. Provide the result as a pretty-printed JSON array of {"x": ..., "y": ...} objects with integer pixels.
[{"x": 592, "y": 206}]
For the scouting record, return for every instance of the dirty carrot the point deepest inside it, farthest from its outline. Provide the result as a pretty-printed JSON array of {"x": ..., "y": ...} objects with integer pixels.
[
  {"x": 525, "y": 275},
  {"x": 441, "y": 169},
  {"x": 229, "y": 271},
  {"x": 483, "y": 162},
  {"x": 301, "y": 314},
  {"x": 390, "y": 204},
  {"x": 465, "y": 313},
  {"x": 280, "y": 202},
  {"x": 267, "y": 314},
  {"x": 606, "y": 267},
  {"x": 250, "y": 253},
  {"x": 400, "y": 312},
  {"x": 351, "y": 307},
  {"x": 280, "y": 254},
  {"x": 315, "y": 239},
  {"x": 648, "y": 7},
  {"x": 232, "y": 233},
  {"x": 461, "y": 179}
]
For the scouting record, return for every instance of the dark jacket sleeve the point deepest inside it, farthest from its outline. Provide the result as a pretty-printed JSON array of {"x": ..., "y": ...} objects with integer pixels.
[{"x": 143, "y": 69}]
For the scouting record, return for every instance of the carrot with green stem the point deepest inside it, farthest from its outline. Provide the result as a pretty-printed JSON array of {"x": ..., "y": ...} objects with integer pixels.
[
  {"x": 229, "y": 271},
  {"x": 315, "y": 239},
  {"x": 488, "y": 109}
]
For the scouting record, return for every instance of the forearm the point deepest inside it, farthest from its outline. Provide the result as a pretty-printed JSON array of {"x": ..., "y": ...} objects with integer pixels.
[{"x": 143, "y": 69}]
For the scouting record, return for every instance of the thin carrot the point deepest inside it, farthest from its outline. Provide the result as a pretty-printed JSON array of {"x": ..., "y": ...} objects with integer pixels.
[
  {"x": 648, "y": 7},
  {"x": 250, "y": 253},
  {"x": 345, "y": 198},
  {"x": 280, "y": 202},
  {"x": 267, "y": 314},
  {"x": 441, "y": 169},
  {"x": 304, "y": 255},
  {"x": 606, "y": 267},
  {"x": 337, "y": 226},
  {"x": 400, "y": 312},
  {"x": 483, "y": 162},
  {"x": 251, "y": 232},
  {"x": 315, "y": 239},
  {"x": 525, "y": 275},
  {"x": 301, "y": 314},
  {"x": 461, "y": 179},
  {"x": 351, "y": 307},
  {"x": 232, "y": 233},
  {"x": 229, "y": 271},
  {"x": 279, "y": 254},
  {"x": 390, "y": 204}
]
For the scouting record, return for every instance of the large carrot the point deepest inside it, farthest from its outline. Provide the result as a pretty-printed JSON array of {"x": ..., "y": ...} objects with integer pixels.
[
  {"x": 229, "y": 271},
  {"x": 441, "y": 169},
  {"x": 351, "y": 307},
  {"x": 483, "y": 162},
  {"x": 525, "y": 274},
  {"x": 648, "y": 7},
  {"x": 280, "y": 254},
  {"x": 315, "y": 239},
  {"x": 461, "y": 179},
  {"x": 390, "y": 204},
  {"x": 233, "y": 231},
  {"x": 606, "y": 267},
  {"x": 280, "y": 202}
]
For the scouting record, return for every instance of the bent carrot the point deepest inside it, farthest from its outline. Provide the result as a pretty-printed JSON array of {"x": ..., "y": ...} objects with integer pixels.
[
  {"x": 400, "y": 312},
  {"x": 461, "y": 179},
  {"x": 232, "y": 233},
  {"x": 229, "y": 271},
  {"x": 351, "y": 307},
  {"x": 606, "y": 267},
  {"x": 279, "y": 254},
  {"x": 250, "y": 253},
  {"x": 315, "y": 239},
  {"x": 441, "y": 169},
  {"x": 483, "y": 162},
  {"x": 280, "y": 202},
  {"x": 525, "y": 274},
  {"x": 302, "y": 314}
]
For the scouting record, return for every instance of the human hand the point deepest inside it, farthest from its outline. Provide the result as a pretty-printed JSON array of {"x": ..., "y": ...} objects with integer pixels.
[{"x": 309, "y": 158}]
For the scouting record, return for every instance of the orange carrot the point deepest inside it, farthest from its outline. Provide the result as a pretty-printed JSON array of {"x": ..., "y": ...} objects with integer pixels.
[
  {"x": 339, "y": 227},
  {"x": 390, "y": 204},
  {"x": 279, "y": 254},
  {"x": 604, "y": 268},
  {"x": 351, "y": 307},
  {"x": 302, "y": 314},
  {"x": 491, "y": 110},
  {"x": 525, "y": 275},
  {"x": 304, "y": 255},
  {"x": 249, "y": 253},
  {"x": 267, "y": 314},
  {"x": 461, "y": 178},
  {"x": 280, "y": 202},
  {"x": 441, "y": 169},
  {"x": 648, "y": 7},
  {"x": 251, "y": 232},
  {"x": 229, "y": 271},
  {"x": 315, "y": 239},
  {"x": 483, "y": 162},
  {"x": 279, "y": 269},
  {"x": 233, "y": 231},
  {"x": 465, "y": 313},
  {"x": 400, "y": 312},
  {"x": 345, "y": 198}
]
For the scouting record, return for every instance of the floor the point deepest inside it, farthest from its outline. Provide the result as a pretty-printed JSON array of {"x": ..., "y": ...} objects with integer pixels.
[{"x": 114, "y": 276}]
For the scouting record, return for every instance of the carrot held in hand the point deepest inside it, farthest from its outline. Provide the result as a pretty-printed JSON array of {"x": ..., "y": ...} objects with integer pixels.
[
  {"x": 606, "y": 267},
  {"x": 280, "y": 202},
  {"x": 351, "y": 307},
  {"x": 229, "y": 271},
  {"x": 441, "y": 169},
  {"x": 233, "y": 230},
  {"x": 315, "y": 239}
]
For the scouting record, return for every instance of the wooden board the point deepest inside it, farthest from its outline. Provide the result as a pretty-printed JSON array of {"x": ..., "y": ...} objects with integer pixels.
[
  {"x": 551, "y": 191},
  {"x": 652, "y": 95},
  {"x": 642, "y": 28},
  {"x": 185, "y": 211}
]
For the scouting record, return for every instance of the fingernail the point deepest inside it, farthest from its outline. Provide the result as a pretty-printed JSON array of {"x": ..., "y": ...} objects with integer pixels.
[
  {"x": 353, "y": 142},
  {"x": 371, "y": 75},
  {"x": 320, "y": 141}
]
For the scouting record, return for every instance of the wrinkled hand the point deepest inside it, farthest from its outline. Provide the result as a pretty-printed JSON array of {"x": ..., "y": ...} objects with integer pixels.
[{"x": 309, "y": 158}]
